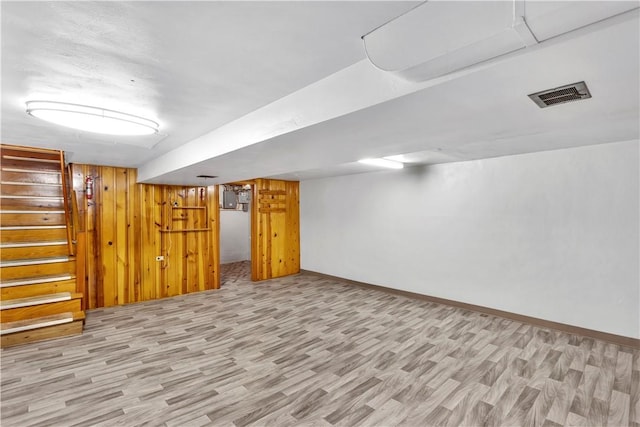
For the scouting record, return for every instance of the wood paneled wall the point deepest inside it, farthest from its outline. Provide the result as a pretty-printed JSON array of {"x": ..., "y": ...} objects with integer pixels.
[
  {"x": 129, "y": 224},
  {"x": 275, "y": 225}
]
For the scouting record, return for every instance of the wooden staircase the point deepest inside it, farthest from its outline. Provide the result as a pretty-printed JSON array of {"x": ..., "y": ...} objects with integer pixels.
[{"x": 40, "y": 295}]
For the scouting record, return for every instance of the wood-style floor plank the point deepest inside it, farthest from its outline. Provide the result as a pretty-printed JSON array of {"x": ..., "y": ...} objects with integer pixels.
[{"x": 307, "y": 350}]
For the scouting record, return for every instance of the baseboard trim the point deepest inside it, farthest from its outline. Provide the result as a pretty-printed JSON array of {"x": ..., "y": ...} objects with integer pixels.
[{"x": 591, "y": 333}]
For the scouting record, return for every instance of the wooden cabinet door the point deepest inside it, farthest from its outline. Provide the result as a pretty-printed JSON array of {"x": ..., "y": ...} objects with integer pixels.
[{"x": 275, "y": 229}]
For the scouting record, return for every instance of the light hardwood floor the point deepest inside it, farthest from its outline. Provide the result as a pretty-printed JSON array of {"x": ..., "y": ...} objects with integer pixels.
[{"x": 306, "y": 350}]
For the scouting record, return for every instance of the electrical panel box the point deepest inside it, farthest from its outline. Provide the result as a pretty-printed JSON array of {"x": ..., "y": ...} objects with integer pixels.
[
  {"x": 244, "y": 196},
  {"x": 229, "y": 200}
]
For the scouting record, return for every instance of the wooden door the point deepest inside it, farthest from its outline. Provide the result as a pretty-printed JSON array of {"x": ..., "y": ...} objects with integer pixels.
[{"x": 275, "y": 229}]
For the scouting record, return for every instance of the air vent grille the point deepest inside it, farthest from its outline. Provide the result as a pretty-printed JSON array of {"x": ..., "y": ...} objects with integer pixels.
[{"x": 560, "y": 95}]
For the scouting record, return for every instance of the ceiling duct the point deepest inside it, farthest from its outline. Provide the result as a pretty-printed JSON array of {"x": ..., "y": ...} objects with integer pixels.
[
  {"x": 439, "y": 37},
  {"x": 561, "y": 95}
]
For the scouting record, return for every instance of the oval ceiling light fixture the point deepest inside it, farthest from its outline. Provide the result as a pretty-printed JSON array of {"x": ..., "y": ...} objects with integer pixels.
[{"x": 91, "y": 119}]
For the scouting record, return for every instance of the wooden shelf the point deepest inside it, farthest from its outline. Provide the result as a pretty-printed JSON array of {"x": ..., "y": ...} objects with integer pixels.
[
  {"x": 186, "y": 230},
  {"x": 200, "y": 216}
]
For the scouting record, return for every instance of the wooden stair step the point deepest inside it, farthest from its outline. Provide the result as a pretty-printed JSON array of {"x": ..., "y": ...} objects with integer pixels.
[
  {"x": 38, "y": 233},
  {"x": 35, "y": 251},
  {"x": 31, "y": 152},
  {"x": 32, "y": 261},
  {"x": 42, "y": 333},
  {"x": 15, "y": 175},
  {"x": 32, "y": 227},
  {"x": 31, "y": 203},
  {"x": 31, "y": 211},
  {"x": 30, "y": 163},
  {"x": 35, "y": 280},
  {"x": 30, "y": 160},
  {"x": 30, "y": 183},
  {"x": 35, "y": 300},
  {"x": 18, "y": 196},
  {"x": 40, "y": 305},
  {"x": 27, "y": 170},
  {"x": 39, "y": 322},
  {"x": 34, "y": 207},
  {"x": 60, "y": 265},
  {"x": 33, "y": 243},
  {"x": 31, "y": 217},
  {"x": 64, "y": 283},
  {"x": 31, "y": 190}
]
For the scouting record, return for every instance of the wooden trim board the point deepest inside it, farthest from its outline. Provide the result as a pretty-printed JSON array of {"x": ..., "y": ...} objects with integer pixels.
[{"x": 591, "y": 333}]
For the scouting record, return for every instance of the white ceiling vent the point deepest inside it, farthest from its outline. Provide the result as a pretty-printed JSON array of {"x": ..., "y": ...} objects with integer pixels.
[{"x": 560, "y": 95}]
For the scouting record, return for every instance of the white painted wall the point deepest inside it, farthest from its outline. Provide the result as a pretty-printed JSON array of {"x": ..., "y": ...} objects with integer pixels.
[
  {"x": 235, "y": 235},
  {"x": 552, "y": 235}
]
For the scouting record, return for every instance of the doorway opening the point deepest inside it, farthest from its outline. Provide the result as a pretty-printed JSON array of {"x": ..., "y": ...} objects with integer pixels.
[{"x": 235, "y": 233}]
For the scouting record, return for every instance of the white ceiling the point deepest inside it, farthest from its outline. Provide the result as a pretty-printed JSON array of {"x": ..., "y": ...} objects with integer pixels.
[{"x": 250, "y": 89}]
